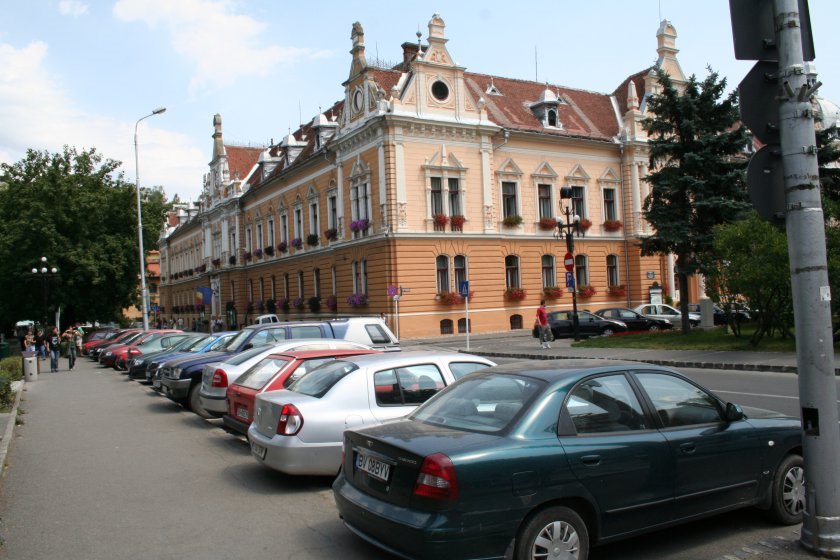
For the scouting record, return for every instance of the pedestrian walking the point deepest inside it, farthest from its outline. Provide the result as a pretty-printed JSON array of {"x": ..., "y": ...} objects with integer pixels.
[
  {"x": 73, "y": 337},
  {"x": 40, "y": 344},
  {"x": 29, "y": 341},
  {"x": 54, "y": 346},
  {"x": 541, "y": 322}
]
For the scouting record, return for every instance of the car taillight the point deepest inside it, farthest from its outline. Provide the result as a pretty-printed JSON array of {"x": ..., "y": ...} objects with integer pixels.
[
  {"x": 290, "y": 422},
  {"x": 219, "y": 378},
  {"x": 437, "y": 478},
  {"x": 134, "y": 352}
]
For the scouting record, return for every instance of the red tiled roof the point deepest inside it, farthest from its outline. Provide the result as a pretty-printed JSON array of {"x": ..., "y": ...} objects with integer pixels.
[
  {"x": 241, "y": 160},
  {"x": 620, "y": 92}
]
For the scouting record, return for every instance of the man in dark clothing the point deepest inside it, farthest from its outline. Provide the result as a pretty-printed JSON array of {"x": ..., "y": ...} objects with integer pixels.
[{"x": 40, "y": 344}]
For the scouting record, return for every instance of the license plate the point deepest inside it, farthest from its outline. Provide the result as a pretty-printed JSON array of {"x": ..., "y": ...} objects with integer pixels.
[
  {"x": 379, "y": 470},
  {"x": 242, "y": 412},
  {"x": 258, "y": 450}
]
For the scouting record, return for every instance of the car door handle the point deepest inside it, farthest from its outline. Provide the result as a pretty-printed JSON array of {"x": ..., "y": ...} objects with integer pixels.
[
  {"x": 591, "y": 460},
  {"x": 688, "y": 448}
]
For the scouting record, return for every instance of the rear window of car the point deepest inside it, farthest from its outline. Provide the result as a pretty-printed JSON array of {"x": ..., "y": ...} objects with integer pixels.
[
  {"x": 377, "y": 334},
  {"x": 307, "y": 331},
  {"x": 258, "y": 375},
  {"x": 481, "y": 403},
  {"x": 319, "y": 381}
]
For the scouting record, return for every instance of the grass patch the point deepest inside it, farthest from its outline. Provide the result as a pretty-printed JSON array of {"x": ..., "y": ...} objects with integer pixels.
[{"x": 698, "y": 339}]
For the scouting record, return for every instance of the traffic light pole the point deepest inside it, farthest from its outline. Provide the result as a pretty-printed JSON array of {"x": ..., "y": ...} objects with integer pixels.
[{"x": 811, "y": 295}]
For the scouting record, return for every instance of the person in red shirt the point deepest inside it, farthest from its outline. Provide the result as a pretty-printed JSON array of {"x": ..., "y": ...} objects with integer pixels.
[{"x": 542, "y": 323}]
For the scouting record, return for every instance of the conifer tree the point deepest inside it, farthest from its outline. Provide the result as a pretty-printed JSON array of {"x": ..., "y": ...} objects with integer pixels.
[{"x": 697, "y": 182}]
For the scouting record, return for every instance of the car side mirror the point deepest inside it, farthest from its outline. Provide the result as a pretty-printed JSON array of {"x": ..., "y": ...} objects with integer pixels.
[
  {"x": 733, "y": 412},
  {"x": 247, "y": 347}
]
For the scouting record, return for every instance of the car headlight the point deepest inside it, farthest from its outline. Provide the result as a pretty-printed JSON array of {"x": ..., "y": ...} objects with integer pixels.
[
  {"x": 176, "y": 372},
  {"x": 107, "y": 353}
]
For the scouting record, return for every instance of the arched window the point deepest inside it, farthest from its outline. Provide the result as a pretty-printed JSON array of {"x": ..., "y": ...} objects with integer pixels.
[
  {"x": 515, "y": 322},
  {"x": 612, "y": 271},
  {"x": 460, "y": 269},
  {"x": 462, "y": 325},
  {"x": 442, "y": 268},
  {"x": 581, "y": 271},
  {"x": 446, "y": 326},
  {"x": 552, "y": 118},
  {"x": 511, "y": 271},
  {"x": 549, "y": 278}
]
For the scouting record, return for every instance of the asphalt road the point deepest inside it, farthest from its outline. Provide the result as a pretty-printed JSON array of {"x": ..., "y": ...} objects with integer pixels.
[{"x": 103, "y": 468}]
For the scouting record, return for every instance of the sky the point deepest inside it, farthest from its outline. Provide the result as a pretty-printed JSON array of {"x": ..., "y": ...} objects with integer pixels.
[{"x": 81, "y": 73}]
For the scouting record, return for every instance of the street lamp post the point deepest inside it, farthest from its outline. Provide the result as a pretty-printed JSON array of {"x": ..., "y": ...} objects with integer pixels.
[
  {"x": 45, "y": 274},
  {"x": 568, "y": 229},
  {"x": 144, "y": 294}
]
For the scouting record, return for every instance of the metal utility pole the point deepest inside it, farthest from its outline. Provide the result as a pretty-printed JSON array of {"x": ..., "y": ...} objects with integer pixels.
[
  {"x": 783, "y": 179},
  {"x": 811, "y": 295}
]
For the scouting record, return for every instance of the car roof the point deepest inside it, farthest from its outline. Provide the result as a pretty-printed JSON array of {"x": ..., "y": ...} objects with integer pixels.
[
  {"x": 572, "y": 370},
  {"x": 398, "y": 359},
  {"x": 338, "y": 352}
]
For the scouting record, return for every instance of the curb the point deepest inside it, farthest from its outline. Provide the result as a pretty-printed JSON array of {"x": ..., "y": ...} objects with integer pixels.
[{"x": 6, "y": 438}]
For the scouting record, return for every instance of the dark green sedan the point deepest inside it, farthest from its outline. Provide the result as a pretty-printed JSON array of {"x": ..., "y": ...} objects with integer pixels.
[{"x": 532, "y": 462}]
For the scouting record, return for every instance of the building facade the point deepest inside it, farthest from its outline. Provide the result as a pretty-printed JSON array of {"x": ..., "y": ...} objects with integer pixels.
[{"x": 424, "y": 177}]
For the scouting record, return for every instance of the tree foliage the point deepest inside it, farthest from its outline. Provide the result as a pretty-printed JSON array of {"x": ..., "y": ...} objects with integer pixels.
[
  {"x": 694, "y": 139},
  {"x": 752, "y": 262},
  {"x": 74, "y": 208}
]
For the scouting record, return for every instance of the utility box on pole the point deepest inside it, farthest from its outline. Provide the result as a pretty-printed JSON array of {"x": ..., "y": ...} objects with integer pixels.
[{"x": 776, "y": 106}]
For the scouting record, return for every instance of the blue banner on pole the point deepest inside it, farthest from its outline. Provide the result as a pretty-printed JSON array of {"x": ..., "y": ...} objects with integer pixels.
[{"x": 570, "y": 280}]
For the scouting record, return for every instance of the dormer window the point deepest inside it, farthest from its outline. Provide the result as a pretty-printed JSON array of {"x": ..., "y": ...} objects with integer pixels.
[
  {"x": 552, "y": 118},
  {"x": 546, "y": 109},
  {"x": 492, "y": 89},
  {"x": 440, "y": 90}
]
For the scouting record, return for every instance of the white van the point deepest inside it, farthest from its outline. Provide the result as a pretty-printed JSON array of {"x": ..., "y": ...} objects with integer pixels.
[{"x": 265, "y": 319}]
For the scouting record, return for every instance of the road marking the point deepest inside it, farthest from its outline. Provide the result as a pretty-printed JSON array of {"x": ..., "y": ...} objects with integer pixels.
[{"x": 757, "y": 394}]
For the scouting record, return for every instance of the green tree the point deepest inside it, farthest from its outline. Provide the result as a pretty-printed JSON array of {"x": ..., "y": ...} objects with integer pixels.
[
  {"x": 74, "y": 208},
  {"x": 697, "y": 182},
  {"x": 752, "y": 261},
  {"x": 828, "y": 155}
]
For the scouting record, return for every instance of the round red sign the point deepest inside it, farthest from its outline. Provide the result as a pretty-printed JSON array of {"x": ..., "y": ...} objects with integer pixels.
[{"x": 569, "y": 262}]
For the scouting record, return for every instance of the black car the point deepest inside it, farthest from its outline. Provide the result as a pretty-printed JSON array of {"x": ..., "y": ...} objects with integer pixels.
[
  {"x": 634, "y": 321},
  {"x": 588, "y": 325},
  {"x": 720, "y": 317}
]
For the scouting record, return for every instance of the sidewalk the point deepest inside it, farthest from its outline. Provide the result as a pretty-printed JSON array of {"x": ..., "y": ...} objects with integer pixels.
[{"x": 520, "y": 344}]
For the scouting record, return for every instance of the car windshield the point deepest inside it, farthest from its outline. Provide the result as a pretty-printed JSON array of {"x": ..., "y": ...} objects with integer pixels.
[
  {"x": 194, "y": 343},
  {"x": 237, "y": 340},
  {"x": 242, "y": 357},
  {"x": 258, "y": 375},
  {"x": 319, "y": 381},
  {"x": 480, "y": 402},
  {"x": 220, "y": 343},
  {"x": 188, "y": 343}
]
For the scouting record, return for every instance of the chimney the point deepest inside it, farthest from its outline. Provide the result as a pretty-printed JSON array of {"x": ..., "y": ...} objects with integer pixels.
[{"x": 409, "y": 54}]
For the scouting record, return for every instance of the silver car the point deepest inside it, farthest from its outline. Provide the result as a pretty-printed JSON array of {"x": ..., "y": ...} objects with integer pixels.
[
  {"x": 216, "y": 377},
  {"x": 299, "y": 430},
  {"x": 667, "y": 313}
]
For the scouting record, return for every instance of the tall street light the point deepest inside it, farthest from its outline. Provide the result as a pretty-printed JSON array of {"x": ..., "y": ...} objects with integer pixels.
[
  {"x": 568, "y": 230},
  {"x": 45, "y": 274},
  {"x": 144, "y": 294}
]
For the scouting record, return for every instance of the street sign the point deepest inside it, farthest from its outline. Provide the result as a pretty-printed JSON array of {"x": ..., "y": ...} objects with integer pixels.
[
  {"x": 766, "y": 184},
  {"x": 464, "y": 289},
  {"x": 569, "y": 262},
  {"x": 404, "y": 290},
  {"x": 392, "y": 290},
  {"x": 570, "y": 280}
]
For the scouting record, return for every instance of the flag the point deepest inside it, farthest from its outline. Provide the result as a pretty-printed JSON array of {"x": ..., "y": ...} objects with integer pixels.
[{"x": 203, "y": 296}]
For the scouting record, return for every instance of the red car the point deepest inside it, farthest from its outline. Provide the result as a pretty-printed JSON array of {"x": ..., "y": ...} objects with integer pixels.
[
  {"x": 273, "y": 373},
  {"x": 121, "y": 336},
  {"x": 113, "y": 354},
  {"x": 96, "y": 338}
]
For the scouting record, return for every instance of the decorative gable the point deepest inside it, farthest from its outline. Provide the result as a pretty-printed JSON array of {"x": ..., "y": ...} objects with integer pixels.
[
  {"x": 545, "y": 171},
  {"x": 510, "y": 168},
  {"x": 577, "y": 175}
]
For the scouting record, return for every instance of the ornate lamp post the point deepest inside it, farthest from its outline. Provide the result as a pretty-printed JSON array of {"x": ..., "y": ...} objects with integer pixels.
[
  {"x": 144, "y": 294},
  {"x": 45, "y": 274},
  {"x": 567, "y": 229}
]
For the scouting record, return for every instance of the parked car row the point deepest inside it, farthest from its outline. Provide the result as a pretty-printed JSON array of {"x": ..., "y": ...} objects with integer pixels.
[{"x": 447, "y": 455}]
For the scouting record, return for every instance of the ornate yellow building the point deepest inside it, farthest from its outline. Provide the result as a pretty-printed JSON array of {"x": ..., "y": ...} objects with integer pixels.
[{"x": 423, "y": 177}]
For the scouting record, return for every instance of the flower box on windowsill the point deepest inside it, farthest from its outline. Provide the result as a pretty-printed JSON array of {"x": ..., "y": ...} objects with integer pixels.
[
  {"x": 357, "y": 300},
  {"x": 515, "y": 294},
  {"x": 617, "y": 291},
  {"x": 312, "y": 239},
  {"x": 283, "y": 247},
  {"x": 232, "y": 259},
  {"x": 584, "y": 224},
  {"x": 553, "y": 292},
  {"x": 512, "y": 221},
  {"x": 456, "y": 222},
  {"x": 258, "y": 253},
  {"x": 247, "y": 255},
  {"x": 297, "y": 243},
  {"x": 297, "y": 303},
  {"x": 216, "y": 262},
  {"x": 332, "y": 303},
  {"x": 612, "y": 225},
  {"x": 440, "y": 220},
  {"x": 359, "y": 225},
  {"x": 331, "y": 234},
  {"x": 586, "y": 292},
  {"x": 547, "y": 224},
  {"x": 269, "y": 250}
]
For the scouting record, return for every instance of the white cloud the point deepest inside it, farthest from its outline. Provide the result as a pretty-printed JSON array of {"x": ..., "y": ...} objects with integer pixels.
[
  {"x": 36, "y": 113},
  {"x": 222, "y": 44},
  {"x": 72, "y": 8}
]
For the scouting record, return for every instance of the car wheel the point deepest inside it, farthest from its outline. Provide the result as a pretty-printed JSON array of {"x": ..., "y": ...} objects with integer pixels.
[
  {"x": 194, "y": 401},
  {"x": 788, "y": 499},
  {"x": 555, "y": 532},
  {"x": 607, "y": 331},
  {"x": 653, "y": 328}
]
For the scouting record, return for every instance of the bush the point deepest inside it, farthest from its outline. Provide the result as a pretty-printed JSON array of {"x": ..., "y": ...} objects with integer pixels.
[{"x": 12, "y": 368}]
